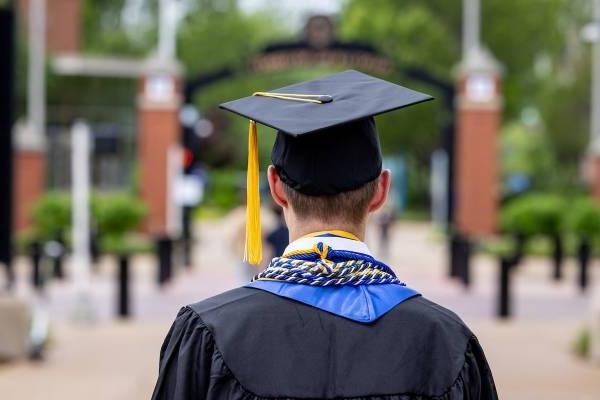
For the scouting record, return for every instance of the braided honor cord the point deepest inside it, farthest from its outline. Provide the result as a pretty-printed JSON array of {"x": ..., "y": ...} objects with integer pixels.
[{"x": 323, "y": 266}]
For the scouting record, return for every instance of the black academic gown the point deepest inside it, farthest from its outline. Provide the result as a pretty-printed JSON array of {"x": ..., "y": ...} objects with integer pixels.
[{"x": 251, "y": 344}]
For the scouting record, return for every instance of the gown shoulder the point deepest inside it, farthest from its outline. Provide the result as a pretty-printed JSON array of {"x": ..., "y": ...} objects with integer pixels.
[{"x": 252, "y": 345}]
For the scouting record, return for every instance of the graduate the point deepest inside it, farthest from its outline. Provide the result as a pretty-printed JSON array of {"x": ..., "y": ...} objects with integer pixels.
[{"x": 327, "y": 319}]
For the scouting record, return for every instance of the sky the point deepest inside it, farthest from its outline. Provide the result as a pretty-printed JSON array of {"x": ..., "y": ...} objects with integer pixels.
[
  {"x": 295, "y": 12},
  {"x": 292, "y": 12}
]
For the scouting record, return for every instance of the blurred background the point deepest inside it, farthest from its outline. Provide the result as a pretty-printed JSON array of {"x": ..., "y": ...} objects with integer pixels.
[{"x": 122, "y": 183}]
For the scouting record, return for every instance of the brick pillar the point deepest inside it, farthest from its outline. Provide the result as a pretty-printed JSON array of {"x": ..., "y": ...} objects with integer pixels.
[
  {"x": 63, "y": 24},
  {"x": 158, "y": 134},
  {"x": 479, "y": 107},
  {"x": 29, "y": 174}
]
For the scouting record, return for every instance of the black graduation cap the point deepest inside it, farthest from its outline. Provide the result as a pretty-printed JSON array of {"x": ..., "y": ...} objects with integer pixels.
[{"x": 327, "y": 141}]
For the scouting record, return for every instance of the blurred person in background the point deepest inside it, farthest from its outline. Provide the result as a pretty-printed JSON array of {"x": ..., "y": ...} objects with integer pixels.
[
  {"x": 385, "y": 220},
  {"x": 327, "y": 320},
  {"x": 279, "y": 236}
]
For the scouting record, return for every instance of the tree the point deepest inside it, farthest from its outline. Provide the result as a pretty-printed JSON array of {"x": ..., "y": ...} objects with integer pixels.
[
  {"x": 536, "y": 41},
  {"x": 427, "y": 34},
  {"x": 216, "y": 34},
  {"x": 107, "y": 31}
]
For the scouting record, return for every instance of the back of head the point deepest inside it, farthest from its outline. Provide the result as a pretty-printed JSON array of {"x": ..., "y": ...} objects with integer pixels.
[{"x": 350, "y": 206}]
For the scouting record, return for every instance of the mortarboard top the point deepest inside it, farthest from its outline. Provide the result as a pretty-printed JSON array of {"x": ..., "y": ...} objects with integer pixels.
[
  {"x": 353, "y": 96},
  {"x": 327, "y": 141}
]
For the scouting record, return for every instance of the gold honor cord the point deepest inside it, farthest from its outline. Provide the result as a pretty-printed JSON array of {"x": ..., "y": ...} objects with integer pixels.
[{"x": 253, "y": 247}]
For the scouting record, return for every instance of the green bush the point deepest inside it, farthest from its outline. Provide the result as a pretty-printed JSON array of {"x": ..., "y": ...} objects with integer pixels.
[
  {"x": 117, "y": 214},
  {"x": 581, "y": 344},
  {"x": 224, "y": 189},
  {"x": 534, "y": 214},
  {"x": 51, "y": 215},
  {"x": 583, "y": 218}
]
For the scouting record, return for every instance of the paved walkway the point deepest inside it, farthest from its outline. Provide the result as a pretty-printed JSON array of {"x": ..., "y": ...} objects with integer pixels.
[{"x": 530, "y": 355}]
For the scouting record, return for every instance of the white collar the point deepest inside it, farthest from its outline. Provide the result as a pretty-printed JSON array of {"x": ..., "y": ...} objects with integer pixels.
[{"x": 335, "y": 242}]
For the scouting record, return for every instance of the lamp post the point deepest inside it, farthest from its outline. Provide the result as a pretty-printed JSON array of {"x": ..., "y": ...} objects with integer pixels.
[
  {"x": 7, "y": 49},
  {"x": 80, "y": 170},
  {"x": 479, "y": 105},
  {"x": 471, "y": 26},
  {"x": 591, "y": 33},
  {"x": 159, "y": 137},
  {"x": 30, "y": 138}
]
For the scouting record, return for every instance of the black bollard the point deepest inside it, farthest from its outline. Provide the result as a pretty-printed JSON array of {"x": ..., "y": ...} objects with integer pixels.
[
  {"x": 58, "y": 257},
  {"x": 460, "y": 249},
  {"x": 187, "y": 236},
  {"x": 123, "y": 293},
  {"x": 584, "y": 251},
  {"x": 557, "y": 256},
  {"x": 35, "y": 253},
  {"x": 94, "y": 246},
  {"x": 520, "y": 241},
  {"x": 504, "y": 301},
  {"x": 453, "y": 256},
  {"x": 164, "y": 249},
  {"x": 463, "y": 249},
  {"x": 466, "y": 250}
]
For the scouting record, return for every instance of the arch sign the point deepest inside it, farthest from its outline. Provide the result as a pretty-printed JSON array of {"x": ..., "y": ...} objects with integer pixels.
[{"x": 320, "y": 46}]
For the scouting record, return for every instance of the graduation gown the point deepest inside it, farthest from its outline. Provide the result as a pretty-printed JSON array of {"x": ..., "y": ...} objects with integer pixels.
[{"x": 252, "y": 344}]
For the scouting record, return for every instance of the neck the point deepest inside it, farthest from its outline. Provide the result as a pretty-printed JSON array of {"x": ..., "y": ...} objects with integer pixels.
[{"x": 301, "y": 228}]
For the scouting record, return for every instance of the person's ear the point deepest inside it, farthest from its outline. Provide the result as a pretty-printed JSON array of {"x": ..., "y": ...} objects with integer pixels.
[
  {"x": 382, "y": 190},
  {"x": 276, "y": 187}
]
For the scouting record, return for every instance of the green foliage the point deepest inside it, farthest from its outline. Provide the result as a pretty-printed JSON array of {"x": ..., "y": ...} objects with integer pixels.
[
  {"x": 117, "y": 214},
  {"x": 224, "y": 189},
  {"x": 549, "y": 214},
  {"x": 106, "y": 32},
  {"x": 525, "y": 151},
  {"x": 216, "y": 34},
  {"x": 581, "y": 344},
  {"x": 565, "y": 107},
  {"x": 125, "y": 246},
  {"x": 421, "y": 33},
  {"x": 427, "y": 34},
  {"x": 51, "y": 214},
  {"x": 583, "y": 217},
  {"x": 534, "y": 214},
  {"x": 544, "y": 68}
]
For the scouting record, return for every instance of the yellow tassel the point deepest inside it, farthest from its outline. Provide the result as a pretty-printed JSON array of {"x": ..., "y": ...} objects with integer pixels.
[{"x": 253, "y": 249}]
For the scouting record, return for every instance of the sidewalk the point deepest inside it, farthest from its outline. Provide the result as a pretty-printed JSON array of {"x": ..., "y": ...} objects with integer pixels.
[{"x": 530, "y": 355}]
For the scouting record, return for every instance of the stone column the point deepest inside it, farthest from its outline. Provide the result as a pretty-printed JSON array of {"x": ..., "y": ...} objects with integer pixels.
[
  {"x": 29, "y": 173},
  {"x": 479, "y": 107},
  {"x": 159, "y": 133}
]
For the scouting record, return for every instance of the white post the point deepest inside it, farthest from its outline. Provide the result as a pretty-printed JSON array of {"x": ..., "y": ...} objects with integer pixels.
[
  {"x": 36, "y": 86},
  {"x": 80, "y": 172},
  {"x": 439, "y": 187},
  {"x": 595, "y": 106},
  {"x": 167, "y": 33},
  {"x": 471, "y": 26}
]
